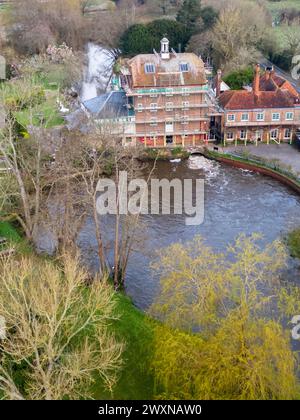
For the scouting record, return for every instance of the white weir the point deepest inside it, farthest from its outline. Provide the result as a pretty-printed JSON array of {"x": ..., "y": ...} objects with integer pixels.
[
  {"x": 97, "y": 73},
  {"x": 210, "y": 167}
]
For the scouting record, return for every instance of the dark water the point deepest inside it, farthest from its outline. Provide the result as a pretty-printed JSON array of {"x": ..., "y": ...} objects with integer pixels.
[{"x": 236, "y": 202}]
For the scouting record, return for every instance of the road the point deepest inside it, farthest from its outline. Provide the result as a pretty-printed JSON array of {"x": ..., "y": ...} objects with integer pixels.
[
  {"x": 286, "y": 75},
  {"x": 286, "y": 154}
]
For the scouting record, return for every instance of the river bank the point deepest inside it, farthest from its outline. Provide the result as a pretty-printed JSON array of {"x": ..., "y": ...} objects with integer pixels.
[
  {"x": 130, "y": 326},
  {"x": 273, "y": 168},
  {"x": 285, "y": 154}
]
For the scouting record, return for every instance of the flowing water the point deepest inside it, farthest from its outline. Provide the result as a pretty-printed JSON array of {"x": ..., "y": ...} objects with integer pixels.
[
  {"x": 236, "y": 201},
  {"x": 97, "y": 72}
]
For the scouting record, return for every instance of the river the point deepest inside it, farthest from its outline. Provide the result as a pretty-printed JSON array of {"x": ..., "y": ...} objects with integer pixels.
[{"x": 236, "y": 201}]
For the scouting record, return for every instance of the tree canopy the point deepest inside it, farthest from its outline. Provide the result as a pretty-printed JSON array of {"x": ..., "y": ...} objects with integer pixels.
[
  {"x": 143, "y": 38},
  {"x": 227, "y": 345},
  {"x": 189, "y": 14},
  {"x": 238, "y": 79}
]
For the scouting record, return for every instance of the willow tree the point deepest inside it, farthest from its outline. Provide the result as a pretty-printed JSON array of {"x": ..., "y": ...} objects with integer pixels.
[
  {"x": 56, "y": 339},
  {"x": 228, "y": 343}
]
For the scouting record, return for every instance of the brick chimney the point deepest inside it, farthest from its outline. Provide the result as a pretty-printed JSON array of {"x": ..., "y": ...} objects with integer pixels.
[
  {"x": 218, "y": 83},
  {"x": 269, "y": 73},
  {"x": 256, "y": 80}
]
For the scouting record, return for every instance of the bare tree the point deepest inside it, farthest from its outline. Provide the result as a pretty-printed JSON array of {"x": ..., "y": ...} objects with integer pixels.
[
  {"x": 108, "y": 151},
  {"x": 235, "y": 43},
  {"x": 57, "y": 330},
  {"x": 13, "y": 157},
  {"x": 43, "y": 169}
]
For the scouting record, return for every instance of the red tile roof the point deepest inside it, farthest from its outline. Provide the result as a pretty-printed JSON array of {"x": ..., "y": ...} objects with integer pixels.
[
  {"x": 273, "y": 82},
  {"x": 167, "y": 72},
  {"x": 275, "y": 92}
]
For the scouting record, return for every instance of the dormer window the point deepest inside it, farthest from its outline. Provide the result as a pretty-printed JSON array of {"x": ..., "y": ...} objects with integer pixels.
[
  {"x": 183, "y": 67},
  {"x": 149, "y": 68}
]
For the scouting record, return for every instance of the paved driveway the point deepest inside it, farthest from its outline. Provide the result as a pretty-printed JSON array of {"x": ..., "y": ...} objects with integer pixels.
[{"x": 287, "y": 154}]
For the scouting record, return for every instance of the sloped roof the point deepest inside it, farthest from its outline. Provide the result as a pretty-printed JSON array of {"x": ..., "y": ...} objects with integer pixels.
[
  {"x": 109, "y": 105},
  {"x": 241, "y": 99},
  {"x": 274, "y": 92},
  {"x": 272, "y": 82},
  {"x": 167, "y": 71}
]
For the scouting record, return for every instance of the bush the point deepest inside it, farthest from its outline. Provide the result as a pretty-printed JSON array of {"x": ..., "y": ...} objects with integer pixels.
[
  {"x": 20, "y": 94},
  {"x": 293, "y": 242},
  {"x": 240, "y": 78},
  {"x": 143, "y": 38}
]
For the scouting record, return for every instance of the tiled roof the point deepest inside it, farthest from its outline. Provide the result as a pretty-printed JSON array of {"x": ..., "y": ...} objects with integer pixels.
[
  {"x": 274, "y": 82},
  {"x": 108, "y": 105},
  {"x": 167, "y": 71},
  {"x": 241, "y": 99},
  {"x": 274, "y": 92}
]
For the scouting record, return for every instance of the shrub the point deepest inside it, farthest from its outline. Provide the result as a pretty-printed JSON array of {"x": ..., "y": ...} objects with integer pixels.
[{"x": 293, "y": 242}]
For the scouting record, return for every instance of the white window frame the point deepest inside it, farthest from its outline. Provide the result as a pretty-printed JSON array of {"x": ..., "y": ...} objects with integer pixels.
[
  {"x": 243, "y": 137},
  {"x": 153, "y": 94},
  {"x": 243, "y": 115},
  {"x": 289, "y": 113},
  {"x": 186, "y": 104},
  {"x": 185, "y": 65},
  {"x": 258, "y": 116},
  {"x": 228, "y": 137},
  {"x": 274, "y": 131},
  {"x": 148, "y": 66},
  {"x": 170, "y": 123},
  {"x": 273, "y": 116},
  {"x": 169, "y": 106},
  {"x": 153, "y": 107},
  {"x": 229, "y": 119},
  {"x": 290, "y": 131},
  {"x": 153, "y": 121},
  {"x": 185, "y": 91}
]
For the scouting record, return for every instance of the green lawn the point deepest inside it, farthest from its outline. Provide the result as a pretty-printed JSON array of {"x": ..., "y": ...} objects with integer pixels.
[
  {"x": 9, "y": 232},
  {"x": 135, "y": 329},
  {"x": 14, "y": 238},
  {"x": 46, "y": 114}
]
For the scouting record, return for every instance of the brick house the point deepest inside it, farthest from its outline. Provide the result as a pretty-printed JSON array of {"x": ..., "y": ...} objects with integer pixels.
[
  {"x": 168, "y": 93},
  {"x": 270, "y": 111}
]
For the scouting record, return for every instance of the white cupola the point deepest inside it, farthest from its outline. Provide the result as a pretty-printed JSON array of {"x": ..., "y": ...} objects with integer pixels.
[{"x": 164, "y": 50}]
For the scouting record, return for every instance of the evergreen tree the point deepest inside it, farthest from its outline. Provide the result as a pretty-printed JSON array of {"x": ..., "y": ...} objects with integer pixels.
[
  {"x": 189, "y": 14},
  {"x": 143, "y": 38}
]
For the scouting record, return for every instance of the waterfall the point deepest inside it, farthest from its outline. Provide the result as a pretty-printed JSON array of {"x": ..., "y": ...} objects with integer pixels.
[{"x": 97, "y": 72}]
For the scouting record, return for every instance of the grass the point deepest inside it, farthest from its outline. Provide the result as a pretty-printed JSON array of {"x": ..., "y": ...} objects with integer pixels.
[
  {"x": 275, "y": 7},
  {"x": 14, "y": 238},
  {"x": 293, "y": 243},
  {"x": 46, "y": 114},
  {"x": 9, "y": 232},
  {"x": 132, "y": 327},
  {"x": 135, "y": 329}
]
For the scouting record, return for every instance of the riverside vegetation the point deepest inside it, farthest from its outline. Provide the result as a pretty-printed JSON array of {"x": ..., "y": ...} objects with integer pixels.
[{"x": 69, "y": 334}]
